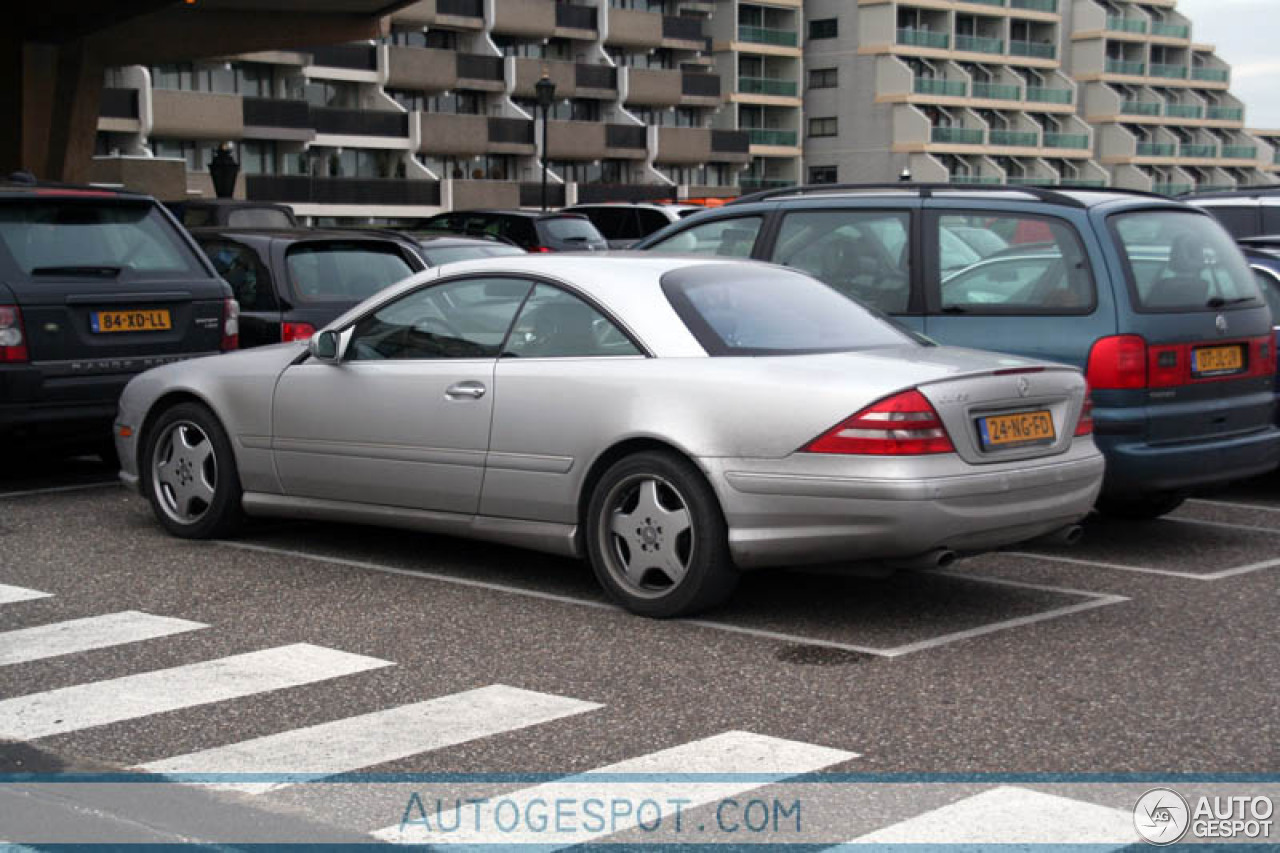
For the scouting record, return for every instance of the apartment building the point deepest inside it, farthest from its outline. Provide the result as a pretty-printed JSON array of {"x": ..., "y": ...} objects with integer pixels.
[
  {"x": 442, "y": 113},
  {"x": 1042, "y": 92},
  {"x": 1269, "y": 144}
]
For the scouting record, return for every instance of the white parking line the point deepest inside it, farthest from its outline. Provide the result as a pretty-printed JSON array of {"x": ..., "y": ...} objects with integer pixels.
[
  {"x": 82, "y": 635},
  {"x": 1226, "y": 525},
  {"x": 1145, "y": 570},
  {"x": 14, "y": 594},
  {"x": 1095, "y": 600},
  {"x": 1234, "y": 504},
  {"x": 55, "y": 489}
]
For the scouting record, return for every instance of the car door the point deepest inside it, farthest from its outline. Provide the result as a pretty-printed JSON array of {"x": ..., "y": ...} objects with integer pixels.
[{"x": 403, "y": 418}]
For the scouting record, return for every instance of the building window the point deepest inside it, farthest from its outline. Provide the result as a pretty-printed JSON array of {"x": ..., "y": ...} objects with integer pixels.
[
  {"x": 822, "y": 126},
  {"x": 824, "y": 28},
  {"x": 822, "y": 174},
  {"x": 822, "y": 78}
]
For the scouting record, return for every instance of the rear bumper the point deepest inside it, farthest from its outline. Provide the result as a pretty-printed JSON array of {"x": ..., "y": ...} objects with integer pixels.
[
  {"x": 784, "y": 517},
  {"x": 1135, "y": 467}
]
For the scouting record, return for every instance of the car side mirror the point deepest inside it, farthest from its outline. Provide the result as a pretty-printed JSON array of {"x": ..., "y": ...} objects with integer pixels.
[{"x": 326, "y": 346}]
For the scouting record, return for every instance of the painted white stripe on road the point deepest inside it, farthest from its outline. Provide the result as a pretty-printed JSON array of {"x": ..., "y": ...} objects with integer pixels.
[
  {"x": 353, "y": 743},
  {"x": 1144, "y": 570},
  {"x": 53, "y": 490},
  {"x": 14, "y": 594},
  {"x": 765, "y": 758},
  {"x": 98, "y": 703},
  {"x": 1009, "y": 815},
  {"x": 1234, "y": 504},
  {"x": 1226, "y": 525},
  {"x": 82, "y": 635}
]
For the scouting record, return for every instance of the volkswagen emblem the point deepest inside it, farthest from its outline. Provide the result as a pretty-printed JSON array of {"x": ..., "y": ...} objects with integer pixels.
[
  {"x": 1221, "y": 324},
  {"x": 1024, "y": 386}
]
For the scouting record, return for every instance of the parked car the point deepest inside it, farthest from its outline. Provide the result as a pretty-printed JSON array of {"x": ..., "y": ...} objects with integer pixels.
[
  {"x": 1149, "y": 296},
  {"x": 623, "y": 223},
  {"x": 290, "y": 282},
  {"x": 443, "y": 249},
  {"x": 530, "y": 230},
  {"x": 232, "y": 213},
  {"x": 1248, "y": 212},
  {"x": 724, "y": 416},
  {"x": 1263, "y": 255},
  {"x": 95, "y": 286}
]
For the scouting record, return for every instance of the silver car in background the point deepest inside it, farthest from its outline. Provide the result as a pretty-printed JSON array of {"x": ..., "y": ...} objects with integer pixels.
[{"x": 672, "y": 420}]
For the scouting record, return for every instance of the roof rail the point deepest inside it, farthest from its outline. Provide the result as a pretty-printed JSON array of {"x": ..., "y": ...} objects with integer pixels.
[{"x": 923, "y": 190}]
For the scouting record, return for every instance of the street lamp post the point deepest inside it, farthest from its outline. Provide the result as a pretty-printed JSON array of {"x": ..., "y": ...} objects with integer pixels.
[
  {"x": 223, "y": 168},
  {"x": 546, "y": 92}
]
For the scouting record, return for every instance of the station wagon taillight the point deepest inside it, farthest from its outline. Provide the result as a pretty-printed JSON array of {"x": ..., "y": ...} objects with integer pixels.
[
  {"x": 13, "y": 341},
  {"x": 296, "y": 332},
  {"x": 230, "y": 325},
  {"x": 905, "y": 424},
  {"x": 1118, "y": 361},
  {"x": 1128, "y": 361}
]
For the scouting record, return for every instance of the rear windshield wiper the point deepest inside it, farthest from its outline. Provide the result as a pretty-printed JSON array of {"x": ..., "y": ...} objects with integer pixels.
[
  {"x": 95, "y": 271},
  {"x": 1219, "y": 302},
  {"x": 955, "y": 309}
]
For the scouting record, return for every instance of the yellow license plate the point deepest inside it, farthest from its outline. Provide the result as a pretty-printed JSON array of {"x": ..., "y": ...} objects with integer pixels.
[
  {"x": 1212, "y": 360},
  {"x": 148, "y": 320},
  {"x": 1017, "y": 430}
]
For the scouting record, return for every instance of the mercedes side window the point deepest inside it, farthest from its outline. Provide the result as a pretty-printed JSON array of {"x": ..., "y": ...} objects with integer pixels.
[
  {"x": 861, "y": 253},
  {"x": 556, "y": 324},
  {"x": 732, "y": 238}
]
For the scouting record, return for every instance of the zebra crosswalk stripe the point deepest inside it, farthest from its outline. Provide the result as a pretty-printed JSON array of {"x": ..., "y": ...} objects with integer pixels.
[
  {"x": 82, "y": 635},
  {"x": 14, "y": 594}
]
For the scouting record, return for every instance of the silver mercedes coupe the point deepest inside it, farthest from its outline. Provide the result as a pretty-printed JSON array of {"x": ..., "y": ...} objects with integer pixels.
[{"x": 673, "y": 420}]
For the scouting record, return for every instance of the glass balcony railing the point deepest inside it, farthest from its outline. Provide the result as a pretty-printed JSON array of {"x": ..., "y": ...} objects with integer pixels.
[
  {"x": 1225, "y": 113},
  {"x": 1157, "y": 149},
  {"x": 997, "y": 91},
  {"x": 1140, "y": 108},
  {"x": 1066, "y": 140},
  {"x": 1240, "y": 152},
  {"x": 768, "y": 35},
  {"x": 957, "y": 135},
  {"x": 935, "y": 86},
  {"x": 1197, "y": 150},
  {"x": 751, "y": 184},
  {"x": 988, "y": 180},
  {"x": 923, "y": 38},
  {"x": 1124, "y": 66},
  {"x": 1178, "y": 31},
  {"x": 1024, "y": 181},
  {"x": 1172, "y": 189},
  {"x": 1083, "y": 183},
  {"x": 1126, "y": 25},
  {"x": 1214, "y": 188},
  {"x": 1160, "y": 69},
  {"x": 1019, "y": 138},
  {"x": 767, "y": 136},
  {"x": 767, "y": 86},
  {"x": 1035, "y": 5},
  {"x": 989, "y": 2},
  {"x": 979, "y": 44},
  {"x": 1046, "y": 95},
  {"x": 1211, "y": 75},
  {"x": 1037, "y": 49},
  {"x": 1184, "y": 110},
  {"x": 1275, "y": 158}
]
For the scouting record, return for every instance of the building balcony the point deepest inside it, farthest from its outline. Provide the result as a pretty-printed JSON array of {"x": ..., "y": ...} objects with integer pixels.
[
  {"x": 1171, "y": 189},
  {"x": 1035, "y": 5},
  {"x": 938, "y": 86},
  {"x": 979, "y": 44},
  {"x": 634, "y": 28},
  {"x": 1160, "y": 69},
  {"x": 1075, "y": 141},
  {"x": 1194, "y": 111},
  {"x": 571, "y": 17},
  {"x": 1211, "y": 75},
  {"x": 1015, "y": 138},
  {"x": 766, "y": 136},
  {"x": 525, "y": 18},
  {"x": 1082, "y": 183},
  {"x": 1178, "y": 31},
  {"x": 604, "y": 193},
  {"x": 1157, "y": 149},
  {"x": 682, "y": 28},
  {"x": 750, "y": 184},
  {"x": 118, "y": 103},
  {"x": 1118, "y": 24},
  {"x": 698, "y": 85},
  {"x": 656, "y": 87},
  {"x": 1047, "y": 95},
  {"x": 1035, "y": 49},
  {"x": 475, "y": 66},
  {"x": 303, "y": 189},
  {"x": 923, "y": 38},
  {"x": 354, "y": 57},
  {"x": 1225, "y": 113},
  {"x": 730, "y": 145},
  {"x": 767, "y": 86},
  {"x": 1197, "y": 150},
  {"x": 449, "y": 134},
  {"x": 509, "y": 135},
  {"x": 460, "y": 8},
  {"x": 1240, "y": 152},
  {"x": 1141, "y": 108},
  {"x": 1000, "y": 3},
  {"x": 1124, "y": 66},
  {"x": 631, "y": 137},
  {"x": 981, "y": 180},
  {"x": 957, "y": 135},
  {"x": 277, "y": 118},
  {"x": 196, "y": 115},
  {"x": 768, "y": 35},
  {"x": 576, "y": 140},
  {"x": 600, "y": 77},
  {"x": 343, "y": 122},
  {"x": 421, "y": 69},
  {"x": 996, "y": 91}
]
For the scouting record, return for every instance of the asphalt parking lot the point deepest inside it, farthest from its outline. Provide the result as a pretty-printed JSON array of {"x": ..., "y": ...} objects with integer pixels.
[{"x": 1147, "y": 648}]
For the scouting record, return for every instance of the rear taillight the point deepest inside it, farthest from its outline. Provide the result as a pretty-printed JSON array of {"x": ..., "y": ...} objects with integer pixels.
[
  {"x": 296, "y": 332},
  {"x": 13, "y": 342},
  {"x": 230, "y": 325},
  {"x": 1084, "y": 425},
  {"x": 1118, "y": 361},
  {"x": 905, "y": 424},
  {"x": 1262, "y": 356},
  {"x": 539, "y": 250}
]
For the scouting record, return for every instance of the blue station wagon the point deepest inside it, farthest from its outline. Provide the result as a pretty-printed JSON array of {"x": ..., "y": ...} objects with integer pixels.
[{"x": 1150, "y": 297}]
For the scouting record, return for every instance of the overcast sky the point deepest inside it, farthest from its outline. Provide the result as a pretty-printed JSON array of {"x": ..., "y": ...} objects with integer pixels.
[{"x": 1248, "y": 39}]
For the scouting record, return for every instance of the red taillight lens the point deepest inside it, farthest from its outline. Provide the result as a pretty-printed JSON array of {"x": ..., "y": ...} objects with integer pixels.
[
  {"x": 1118, "y": 361},
  {"x": 1084, "y": 426},
  {"x": 296, "y": 332},
  {"x": 1262, "y": 356},
  {"x": 539, "y": 250},
  {"x": 905, "y": 424},
  {"x": 13, "y": 342},
  {"x": 230, "y": 325}
]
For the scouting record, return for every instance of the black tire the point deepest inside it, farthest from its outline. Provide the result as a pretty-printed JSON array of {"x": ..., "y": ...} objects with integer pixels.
[
  {"x": 1140, "y": 507},
  {"x": 701, "y": 549},
  {"x": 219, "y": 516}
]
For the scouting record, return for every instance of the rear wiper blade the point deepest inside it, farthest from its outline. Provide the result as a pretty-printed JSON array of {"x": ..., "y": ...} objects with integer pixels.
[
  {"x": 97, "y": 271},
  {"x": 955, "y": 309},
  {"x": 1219, "y": 302}
]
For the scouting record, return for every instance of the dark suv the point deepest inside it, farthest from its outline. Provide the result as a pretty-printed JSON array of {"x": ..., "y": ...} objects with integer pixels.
[
  {"x": 1244, "y": 213},
  {"x": 95, "y": 286},
  {"x": 1150, "y": 297},
  {"x": 530, "y": 230}
]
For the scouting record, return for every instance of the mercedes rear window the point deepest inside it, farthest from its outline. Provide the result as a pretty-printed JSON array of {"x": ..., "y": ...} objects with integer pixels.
[
  {"x": 59, "y": 238},
  {"x": 344, "y": 272},
  {"x": 1183, "y": 261},
  {"x": 735, "y": 310}
]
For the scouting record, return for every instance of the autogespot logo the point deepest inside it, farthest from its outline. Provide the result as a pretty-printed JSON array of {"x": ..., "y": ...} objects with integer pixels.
[{"x": 1161, "y": 816}]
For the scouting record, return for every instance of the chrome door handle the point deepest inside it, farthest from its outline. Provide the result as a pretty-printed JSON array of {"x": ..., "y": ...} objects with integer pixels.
[{"x": 465, "y": 391}]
